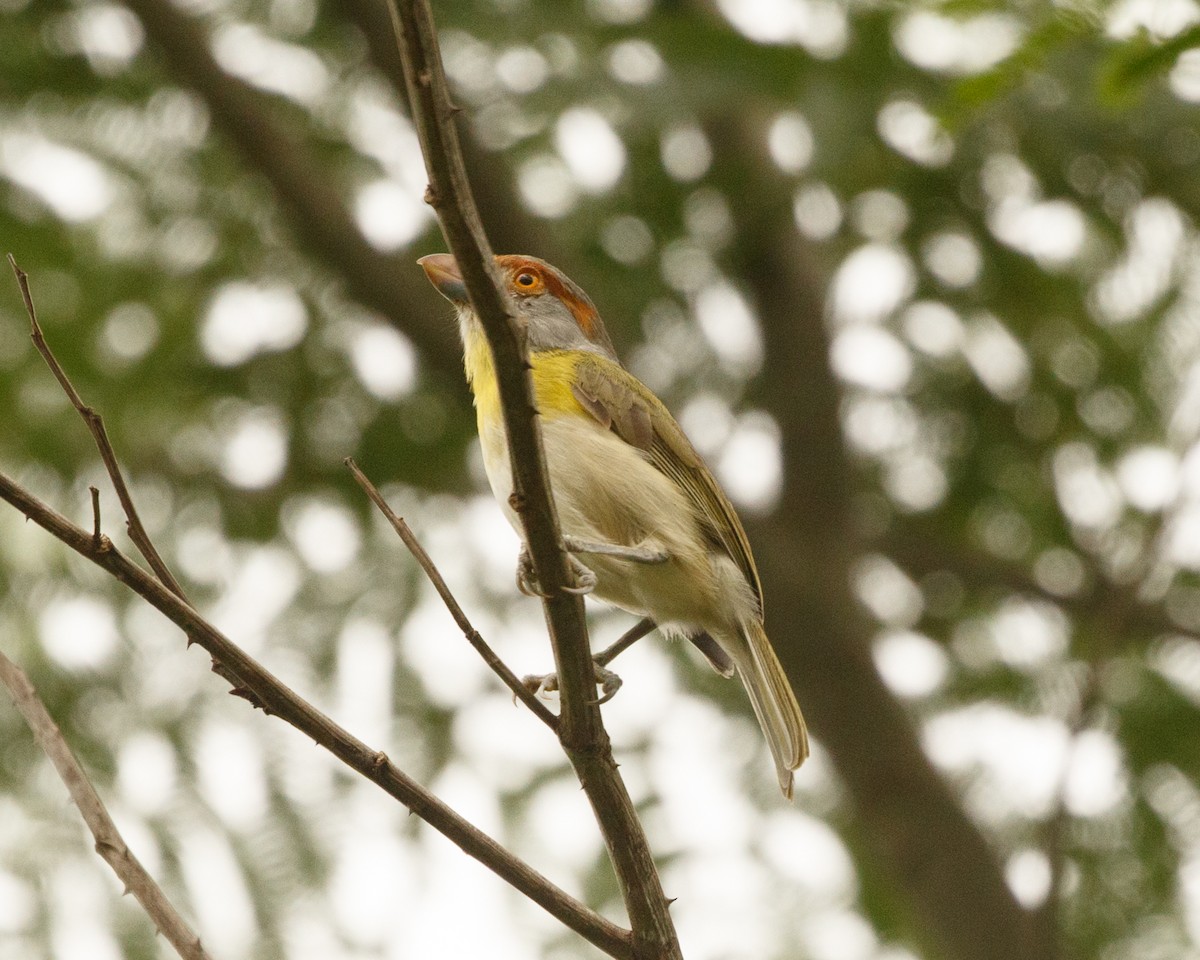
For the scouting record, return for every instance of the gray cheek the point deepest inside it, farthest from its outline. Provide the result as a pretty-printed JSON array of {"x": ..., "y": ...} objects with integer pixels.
[{"x": 551, "y": 327}]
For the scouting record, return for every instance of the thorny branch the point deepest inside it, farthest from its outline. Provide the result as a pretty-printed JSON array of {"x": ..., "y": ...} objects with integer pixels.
[
  {"x": 924, "y": 803},
  {"x": 581, "y": 730},
  {"x": 262, "y": 689},
  {"x": 520, "y": 691},
  {"x": 279, "y": 700},
  {"x": 95, "y": 423}
]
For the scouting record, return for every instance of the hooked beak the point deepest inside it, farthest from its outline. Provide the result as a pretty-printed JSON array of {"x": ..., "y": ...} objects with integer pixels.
[{"x": 444, "y": 274}]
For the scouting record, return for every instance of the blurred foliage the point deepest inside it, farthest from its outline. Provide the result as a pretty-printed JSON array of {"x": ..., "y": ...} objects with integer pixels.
[{"x": 999, "y": 203}]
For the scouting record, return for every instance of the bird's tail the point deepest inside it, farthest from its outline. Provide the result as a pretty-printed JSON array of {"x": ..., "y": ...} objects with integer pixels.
[{"x": 774, "y": 703}]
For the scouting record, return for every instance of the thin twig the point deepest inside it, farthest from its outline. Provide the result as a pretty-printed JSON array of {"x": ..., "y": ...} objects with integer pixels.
[
  {"x": 449, "y": 192},
  {"x": 624, "y": 642},
  {"x": 96, "y": 534},
  {"x": 439, "y": 584},
  {"x": 95, "y": 423},
  {"x": 109, "y": 842},
  {"x": 581, "y": 729},
  {"x": 280, "y": 700},
  {"x": 258, "y": 686}
]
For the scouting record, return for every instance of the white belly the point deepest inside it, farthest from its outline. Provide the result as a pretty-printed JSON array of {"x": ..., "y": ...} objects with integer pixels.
[{"x": 605, "y": 490}]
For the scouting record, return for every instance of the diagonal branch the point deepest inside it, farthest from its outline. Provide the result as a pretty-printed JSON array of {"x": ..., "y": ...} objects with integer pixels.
[
  {"x": 450, "y": 194},
  {"x": 109, "y": 842},
  {"x": 95, "y": 423},
  {"x": 248, "y": 677},
  {"x": 278, "y": 699},
  {"x": 581, "y": 730},
  {"x": 499, "y": 667}
]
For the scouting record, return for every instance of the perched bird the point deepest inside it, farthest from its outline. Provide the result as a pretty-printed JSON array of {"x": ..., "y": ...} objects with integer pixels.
[{"x": 655, "y": 533}]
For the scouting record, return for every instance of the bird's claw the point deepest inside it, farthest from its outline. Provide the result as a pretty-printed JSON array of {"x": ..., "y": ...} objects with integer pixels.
[
  {"x": 586, "y": 579},
  {"x": 539, "y": 684},
  {"x": 608, "y": 682},
  {"x": 527, "y": 581}
]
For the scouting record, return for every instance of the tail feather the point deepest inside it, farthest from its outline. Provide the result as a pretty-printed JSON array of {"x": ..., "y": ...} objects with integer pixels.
[
  {"x": 713, "y": 652},
  {"x": 773, "y": 701}
]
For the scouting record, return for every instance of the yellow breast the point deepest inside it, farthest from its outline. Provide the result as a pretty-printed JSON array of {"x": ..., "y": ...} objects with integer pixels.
[{"x": 553, "y": 372}]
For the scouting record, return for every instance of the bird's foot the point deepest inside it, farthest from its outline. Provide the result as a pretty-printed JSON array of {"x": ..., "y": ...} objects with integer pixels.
[
  {"x": 527, "y": 581},
  {"x": 585, "y": 579},
  {"x": 608, "y": 682}
]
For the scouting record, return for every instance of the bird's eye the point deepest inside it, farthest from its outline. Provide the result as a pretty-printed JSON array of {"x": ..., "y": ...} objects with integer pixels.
[{"x": 526, "y": 279}]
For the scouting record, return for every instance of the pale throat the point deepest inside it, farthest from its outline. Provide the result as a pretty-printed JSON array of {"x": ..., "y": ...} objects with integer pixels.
[{"x": 481, "y": 371}]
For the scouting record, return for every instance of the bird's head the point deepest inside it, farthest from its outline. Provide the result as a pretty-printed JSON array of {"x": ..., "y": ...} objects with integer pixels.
[{"x": 556, "y": 312}]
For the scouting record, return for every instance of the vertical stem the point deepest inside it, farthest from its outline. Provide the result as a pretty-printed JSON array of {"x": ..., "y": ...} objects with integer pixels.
[{"x": 581, "y": 730}]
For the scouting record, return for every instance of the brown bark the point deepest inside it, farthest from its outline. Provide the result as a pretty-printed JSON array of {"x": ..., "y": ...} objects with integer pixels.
[
  {"x": 908, "y": 814},
  {"x": 261, "y": 687},
  {"x": 581, "y": 727}
]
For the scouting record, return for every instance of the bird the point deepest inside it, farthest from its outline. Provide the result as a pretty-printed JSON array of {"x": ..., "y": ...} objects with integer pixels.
[{"x": 650, "y": 528}]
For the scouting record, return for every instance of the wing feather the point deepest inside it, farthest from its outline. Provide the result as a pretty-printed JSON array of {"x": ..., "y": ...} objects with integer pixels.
[{"x": 622, "y": 403}]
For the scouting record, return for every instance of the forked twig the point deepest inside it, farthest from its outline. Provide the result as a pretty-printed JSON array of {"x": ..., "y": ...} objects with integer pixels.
[
  {"x": 133, "y": 522},
  {"x": 95, "y": 423},
  {"x": 253, "y": 682},
  {"x": 439, "y": 584},
  {"x": 280, "y": 700},
  {"x": 580, "y": 729},
  {"x": 109, "y": 842}
]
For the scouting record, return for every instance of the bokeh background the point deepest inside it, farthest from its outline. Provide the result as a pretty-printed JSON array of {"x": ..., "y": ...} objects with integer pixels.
[{"x": 919, "y": 280}]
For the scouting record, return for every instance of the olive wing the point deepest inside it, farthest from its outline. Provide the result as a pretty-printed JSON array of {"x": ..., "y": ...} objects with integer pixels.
[{"x": 622, "y": 403}]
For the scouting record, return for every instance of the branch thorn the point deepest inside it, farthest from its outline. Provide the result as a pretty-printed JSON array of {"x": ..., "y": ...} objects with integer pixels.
[{"x": 96, "y": 535}]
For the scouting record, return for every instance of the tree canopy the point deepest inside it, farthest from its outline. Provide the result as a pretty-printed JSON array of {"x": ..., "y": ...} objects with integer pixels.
[{"x": 920, "y": 282}]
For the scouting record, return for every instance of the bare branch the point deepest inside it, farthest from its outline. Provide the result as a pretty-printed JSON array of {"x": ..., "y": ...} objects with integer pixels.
[
  {"x": 450, "y": 194},
  {"x": 278, "y": 699},
  {"x": 624, "y": 642},
  {"x": 520, "y": 691},
  {"x": 109, "y": 842},
  {"x": 96, "y": 533},
  {"x": 95, "y": 423},
  {"x": 581, "y": 730}
]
